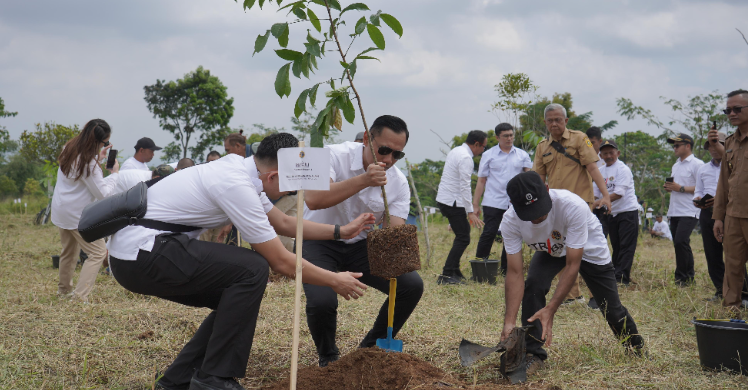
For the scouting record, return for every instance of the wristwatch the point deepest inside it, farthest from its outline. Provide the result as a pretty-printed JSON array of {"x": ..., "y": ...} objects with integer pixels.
[{"x": 682, "y": 189}]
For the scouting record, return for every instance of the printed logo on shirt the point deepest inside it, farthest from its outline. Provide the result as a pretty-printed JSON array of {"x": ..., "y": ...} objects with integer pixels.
[
  {"x": 554, "y": 250},
  {"x": 611, "y": 178},
  {"x": 556, "y": 235}
]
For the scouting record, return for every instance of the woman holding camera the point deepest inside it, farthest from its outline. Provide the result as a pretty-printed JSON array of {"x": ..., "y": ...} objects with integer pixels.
[{"x": 80, "y": 181}]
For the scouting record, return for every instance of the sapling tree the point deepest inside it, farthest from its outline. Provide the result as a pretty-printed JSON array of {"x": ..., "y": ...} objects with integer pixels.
[{"x": 327, "y": 31}]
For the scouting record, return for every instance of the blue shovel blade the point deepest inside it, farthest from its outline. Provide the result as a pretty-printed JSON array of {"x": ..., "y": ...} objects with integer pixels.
[{"x": 390, "y": 344}]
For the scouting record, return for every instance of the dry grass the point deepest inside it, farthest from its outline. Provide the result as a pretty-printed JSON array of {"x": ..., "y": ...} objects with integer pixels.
[{"x": 121, "y": 339}]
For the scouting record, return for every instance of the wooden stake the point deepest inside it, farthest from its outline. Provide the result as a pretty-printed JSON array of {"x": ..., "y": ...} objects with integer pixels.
[
  {"x": 422, "y": 218},
  {"x": 297, "y": 285}
]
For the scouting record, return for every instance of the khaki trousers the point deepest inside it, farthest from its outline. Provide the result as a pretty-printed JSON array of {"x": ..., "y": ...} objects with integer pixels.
[
  {"x": 735, "y": 259},
  {"x": 71, "y": 241}
]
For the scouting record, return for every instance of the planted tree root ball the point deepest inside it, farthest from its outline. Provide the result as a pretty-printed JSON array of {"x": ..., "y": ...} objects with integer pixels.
[{"x": 393, "y": 251}]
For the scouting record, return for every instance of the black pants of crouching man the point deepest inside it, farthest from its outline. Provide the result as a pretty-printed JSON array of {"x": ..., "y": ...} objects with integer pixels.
[
  {"x": 492, "y": 219},
  {"x": 227, "y": 279},
  {"x": 462, "y": 229},
  {"x": 623, "y": 229},
  {"x": 681, "y": 228},
  {"x": 322, "y": 302},
  {"x": 601, "y": 281}
]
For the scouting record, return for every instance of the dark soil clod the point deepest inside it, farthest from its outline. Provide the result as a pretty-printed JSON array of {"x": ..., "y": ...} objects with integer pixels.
[{"x": 393, "y": 251}]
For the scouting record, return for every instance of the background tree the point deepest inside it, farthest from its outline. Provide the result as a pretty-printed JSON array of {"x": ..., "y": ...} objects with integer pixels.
[
  {"x": 517, "y": 94},
  {"x": 7, "y": 186},
  {"x": 6, "y": 144},
  {"x": 196, "y": 105},
  {"x": 427, "y": 178},
  {"x": 46, "y": 142}
]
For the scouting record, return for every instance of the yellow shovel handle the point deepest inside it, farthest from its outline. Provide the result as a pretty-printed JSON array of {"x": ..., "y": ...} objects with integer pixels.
[{"x": 391, "y": 302}]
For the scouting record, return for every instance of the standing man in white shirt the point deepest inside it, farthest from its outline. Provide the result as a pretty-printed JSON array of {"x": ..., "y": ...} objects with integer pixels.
[
  {"x": 144, "y": 152},
  {"x": 228, "y": 280},
  {"x": 455, "y": 202},
  {"x": 595, "y": 136},
  {"x": 661, "y": 228},
  {"x": 683, "y": 215},
  {"x": 498, "y": 165},
  {"x": 623, "y": 219},
  {"x": 705, "y": 184},
  {"x": 355, "y": 188},
  {"x": 568, "y": 239}
]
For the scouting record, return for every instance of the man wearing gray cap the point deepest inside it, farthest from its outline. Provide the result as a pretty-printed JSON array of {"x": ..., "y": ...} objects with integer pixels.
[
  {"x": 360, "y": 137},
  {"x": 623, "y": 219},
  {"x": 144, "y": 152}
]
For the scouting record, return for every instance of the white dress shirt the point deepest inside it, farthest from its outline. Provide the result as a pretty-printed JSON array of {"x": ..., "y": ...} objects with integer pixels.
[
  {"x": 663, "y": 227},
  {"x": 685, "y": 173},
  {"x": 708, "y": 179},
  {"x": 252, "y": 169},
  {"x": 619, "y": 180},
  {"x": 132, "y": 163},
  {"x": 455, "y": 184},
  {"x": 129, "y": 178},
  {"x": 72, "y": 196},
  {"x": 206, "y": 196},
  {"x": 570, "y": 223},
  {"x": 499, "y": 167},
  {"x": 346, "y": 163}
]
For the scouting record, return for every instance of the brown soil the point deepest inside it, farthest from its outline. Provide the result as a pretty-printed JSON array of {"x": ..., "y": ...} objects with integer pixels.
[
  {"x": 374, "y": 369},
  {"x": 393, "y": 251}
]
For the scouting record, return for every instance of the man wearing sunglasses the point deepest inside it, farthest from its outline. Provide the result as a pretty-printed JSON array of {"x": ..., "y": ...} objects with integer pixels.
[
  {"x": 683, "y": 215},
  {"x": 730, "y": 204},
  {"x": 355, "y": 188}
]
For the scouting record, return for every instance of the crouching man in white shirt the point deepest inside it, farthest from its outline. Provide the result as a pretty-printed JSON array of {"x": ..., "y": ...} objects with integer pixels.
[
  {"x": 567, "y": 238},
  {"x": 661, "y": 229},
  {"x": 623, "y": 220},
  {"x": 229, "y": 280},
  {"x": 355, "y": 189}
]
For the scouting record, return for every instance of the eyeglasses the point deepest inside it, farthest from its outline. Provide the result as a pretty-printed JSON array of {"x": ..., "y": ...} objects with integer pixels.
[
  {"x": 262, "y": 173},
  {"x": 509, "y": 135},
  {"x": 106, "y": 143},
  {"x": 736, "y": 110},
  {"x": 676, "y": 145},
  {"x": 397, "y": 154}
]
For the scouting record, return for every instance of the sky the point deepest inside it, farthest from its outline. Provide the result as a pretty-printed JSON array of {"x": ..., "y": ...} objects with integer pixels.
[{"x": 76, "y": 60}]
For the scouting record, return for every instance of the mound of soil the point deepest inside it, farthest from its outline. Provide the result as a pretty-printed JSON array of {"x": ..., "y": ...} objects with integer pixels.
[{"x": 375, "y": 369}]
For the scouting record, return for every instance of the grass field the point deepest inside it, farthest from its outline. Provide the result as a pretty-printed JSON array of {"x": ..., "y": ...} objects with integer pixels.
[{"x": 120, "y": 339}]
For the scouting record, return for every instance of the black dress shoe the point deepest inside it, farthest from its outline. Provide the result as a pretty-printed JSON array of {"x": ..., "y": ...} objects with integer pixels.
[
  {"x": 325, "y": 361},
  {"x": 209, "y": 382},
  {"x": 443, "y": 280}
]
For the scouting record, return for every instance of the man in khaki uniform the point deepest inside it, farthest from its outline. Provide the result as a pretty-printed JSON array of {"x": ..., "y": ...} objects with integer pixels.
[
  {"x": 567, "y": 160},
  {"x": 730, "y": 204}
]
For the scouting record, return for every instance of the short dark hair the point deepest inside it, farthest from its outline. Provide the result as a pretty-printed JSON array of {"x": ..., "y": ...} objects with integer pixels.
[
  {"x": 737, "y": 92},
  {"x": 271, "y": 144},
  {"x": 185, "y": 163},
  {"x": 392, "y": 122},
  {"x": 213, "y": 153},
  {"x": 236, "y": 138},
  {"x": 502, "y": 127},
  {"x": 594, "y": 132},
  {"x": 476, "y": 136}
]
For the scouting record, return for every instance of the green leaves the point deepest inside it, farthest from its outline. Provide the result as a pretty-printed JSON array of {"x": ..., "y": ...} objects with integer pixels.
[
  {"x": 313, "y": 19},
  {"x": 300, "y": 105},
  {"x": 247, "y": 4},
  {"x": 393, "y": 23},
  {"x": 359, "y": 28},
  {"x": 376, "y": 36},
  {"x": 375, "y": 18},
  {"x": 299, "y": 13},
  {"x": 348, "y": 109},
  {"x": 282, "y": 85},
  {"x": 281, "y": 32},
  {"x": 289, "y": 55},
  {"x": 355, "y": 6},
  {"x": 260, "y": 42}
]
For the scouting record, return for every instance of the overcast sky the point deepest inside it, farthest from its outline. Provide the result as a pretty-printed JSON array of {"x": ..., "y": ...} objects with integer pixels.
[{"x": 71, "y": 61}]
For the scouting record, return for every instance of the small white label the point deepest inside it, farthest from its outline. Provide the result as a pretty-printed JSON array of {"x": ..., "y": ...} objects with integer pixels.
[{"x": 304, "y": 169}]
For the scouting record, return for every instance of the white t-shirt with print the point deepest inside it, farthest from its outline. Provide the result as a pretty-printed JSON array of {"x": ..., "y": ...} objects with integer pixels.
[
  {"x": 619, "y": 180},
  {"x": 569, "y": 224},
  {"x": 346, "y": 163}
]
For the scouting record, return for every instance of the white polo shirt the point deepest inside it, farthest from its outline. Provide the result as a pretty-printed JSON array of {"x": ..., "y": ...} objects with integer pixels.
[
  {"x": 252, "y": 169},
  {"x": 132, "y": 163},
  {"x": 663, "y": 227},
  {"x": 570, "y": 223},
  {"x": 455, "y": 184},
  {"x": 499, "y": 167},
  {"x": 206, "y": 196},
  {"x": 708, "y": 179},
  {"x": 619, "y": 180},
  {"x": 346, "y": 163},
  {"x": 72, "y": 196},
  {"x": 685, "y": 173},
  {"x": 129, "y": 178}
]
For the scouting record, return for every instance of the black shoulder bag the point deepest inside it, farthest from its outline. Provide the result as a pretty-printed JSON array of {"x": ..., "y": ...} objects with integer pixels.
[
  {"x": 561, "y": 149},
  {"x": 113, "y": 213}
]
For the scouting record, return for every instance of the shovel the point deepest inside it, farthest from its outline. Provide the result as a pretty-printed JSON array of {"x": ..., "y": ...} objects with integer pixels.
[
  {"x": 511, "y": 363},
  {"x": 389, "y": 344}
]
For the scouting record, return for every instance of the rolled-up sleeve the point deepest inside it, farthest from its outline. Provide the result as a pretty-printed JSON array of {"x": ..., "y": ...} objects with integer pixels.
[
  {"x": 578, "y": 230},
  {"x": 624, "y": 181},
  {"x": 511, "y": 237}
]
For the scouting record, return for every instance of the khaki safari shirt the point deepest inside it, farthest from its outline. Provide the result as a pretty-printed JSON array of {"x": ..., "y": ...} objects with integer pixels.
[
  {"x": 731, "y": 192},
  {"x": 563, "y": 173}
]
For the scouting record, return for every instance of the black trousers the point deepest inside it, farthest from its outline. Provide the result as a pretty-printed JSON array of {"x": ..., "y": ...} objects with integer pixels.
[
  {"x": 322, "y": 302},
  {"x": 713, "y": 249},
  {"x": 601, "y": 281},
  {"x": 681, "y": 227},
  {"x": 229, "y": 280},
  {"x": 603, "y": 217},
  {"x": 461, "y": 228},
  {"x": 623, "y": 230},
  {"x": 492, "y": 218}
]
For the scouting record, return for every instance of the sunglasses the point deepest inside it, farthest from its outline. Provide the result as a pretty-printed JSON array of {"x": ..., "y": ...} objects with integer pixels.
[
  {"x": 736, "y": 110},
  {"x": 397, "y": 154},
  {"x": 106, "y": 143},
  {"x": 676, "y": 145}
]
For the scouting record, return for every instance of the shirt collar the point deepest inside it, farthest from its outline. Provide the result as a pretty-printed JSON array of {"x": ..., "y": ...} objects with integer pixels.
[
  {"x": 688, "y": 158},
  {"x": 566, "y": 133},
  {"x": 714, "y": 163},
  {"x": 467, "y": 149},
  {"x": 499, "y": 150}
]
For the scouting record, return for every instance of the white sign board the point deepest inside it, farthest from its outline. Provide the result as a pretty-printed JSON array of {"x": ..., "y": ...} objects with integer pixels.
[{"x": 304, "y": 169}]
